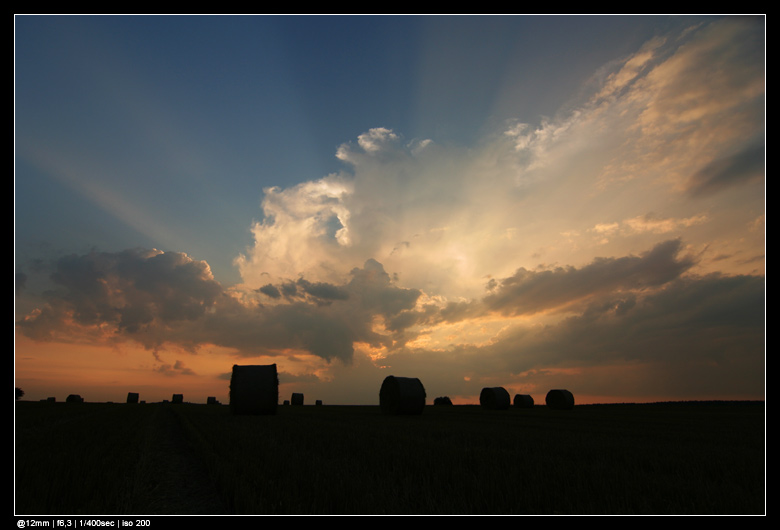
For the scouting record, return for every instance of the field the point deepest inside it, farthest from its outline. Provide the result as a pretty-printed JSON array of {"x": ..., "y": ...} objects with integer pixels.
[{"x": 147, "y": 459}]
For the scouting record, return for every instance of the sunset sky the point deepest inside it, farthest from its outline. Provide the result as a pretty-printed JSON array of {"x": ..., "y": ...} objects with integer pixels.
[{"x": 521, "y": 201}]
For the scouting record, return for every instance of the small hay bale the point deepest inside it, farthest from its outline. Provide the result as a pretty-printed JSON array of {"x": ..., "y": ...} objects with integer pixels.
[
  {"x": 402, "y": 395},
  {"x": 296, "y": 399},
  {"x": 74, "y": 398},
  {"x": 523, "y": 401},
  {"x": 286, "y": 402},
  {"x": 51, "y": 400},
  {"x": 211, "y": 400},
  {"x": 132, "y": 397},
  {"x": 494, "y": 398},
  {"x": 443, "y": 400},
  {"x": 560, "y": 399},
  {"x": 318, "y": 402},
  {"x": 177, "y": 399},
  {"x": 254, "y": 389}
]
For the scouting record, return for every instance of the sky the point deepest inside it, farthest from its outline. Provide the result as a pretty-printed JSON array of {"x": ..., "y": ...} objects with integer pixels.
[{"x": 533, "y": 202}]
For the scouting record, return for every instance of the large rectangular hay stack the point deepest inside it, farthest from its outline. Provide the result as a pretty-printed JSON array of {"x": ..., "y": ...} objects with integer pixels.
[
  {"x": 254, "y": 389},
  {"x": 560, "y": 399},
  {"x": 402, "y": 395},
  {"x": 494, "y": 398}
]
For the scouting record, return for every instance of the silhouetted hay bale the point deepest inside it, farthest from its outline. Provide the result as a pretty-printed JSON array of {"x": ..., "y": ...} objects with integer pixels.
[
  {"x": 74, "y": 398},
  {"x": 286, "y": 402},
  {"x": 318, "y": 402},
  {"x": 177, "y": 399},
  {"x": 494, "y": 398},
  {"x": 132, "y": 397},
  {"x": 51, "y": 399},
  {"x": 211, "y": 400},
  {"x": 444, "y": 400},
  {"x": 402, "y": 395},
  {"x": 254, "y": 389},
  {"x": 523, "y": 401},
  {"x": 296, "y": 399},
  {"x": 560, "y": 399}
]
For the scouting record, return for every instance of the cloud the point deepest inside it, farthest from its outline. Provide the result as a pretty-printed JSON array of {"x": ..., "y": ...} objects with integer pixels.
[
  {"x": 577, "y": 241},
  {"x": 709, "y": 320},
  {"x": 723, "y": 173},
  {"x": 178, "y": 368},
  {"x": 443, "y": 217},
  {"x": 129, "y": 291},
  {"x": 652, "y": 223},
  {"x": 528, "y": 292},
  {"x": 156, "y": 298}
]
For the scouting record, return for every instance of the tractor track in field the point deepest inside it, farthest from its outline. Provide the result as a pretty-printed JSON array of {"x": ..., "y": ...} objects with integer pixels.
[{"x": 177, "y": 482}]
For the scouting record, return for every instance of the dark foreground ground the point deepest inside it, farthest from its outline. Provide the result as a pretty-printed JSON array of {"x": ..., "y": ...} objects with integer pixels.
[{"x": 147, "y": 459}]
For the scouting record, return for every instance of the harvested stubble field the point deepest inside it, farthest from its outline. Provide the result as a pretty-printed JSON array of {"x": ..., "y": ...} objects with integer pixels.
[{"x": 146, "y": 459}]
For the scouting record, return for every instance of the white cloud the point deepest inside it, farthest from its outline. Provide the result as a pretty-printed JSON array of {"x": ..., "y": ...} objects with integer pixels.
[{"x": 439, "y": 216}]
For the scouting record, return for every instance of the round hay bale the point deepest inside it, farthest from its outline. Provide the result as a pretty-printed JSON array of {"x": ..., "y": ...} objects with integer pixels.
[
  {"x": 494, "y": 398},
  {"x": 296, "y": 399},
  {"x": 318, "y": 402},
  {"x": 523, "y": 401},
  {"x": 74, "y": 398},
  {"x": 402, "y": 395},
  {"x": 254, "y": 389},
  {"x": 211, "y": 400},
  {"x": 132, "y": 397},
  {"x": 560, "y": 399},
  {"x": 177, "y": 399},
  {"x": 442, "y": 401}
]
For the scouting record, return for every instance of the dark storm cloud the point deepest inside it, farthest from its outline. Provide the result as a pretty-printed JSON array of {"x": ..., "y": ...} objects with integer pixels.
[
  {"x": 691, "y": 337},
  {"x": 321, "y": 318},
  {"x": 528, "y": 292},
  {"x": 270, "y": 290},
  {"x": 323, "y": 291},
  {"x": 377, "y": 293},
  {"x": 713, "y": 320},
  {"x": 723, "y": 173},
  {"x": 302, "y": 289},
  {"x": 155, "y": 298},
  {"x": 128, "y": 290}
]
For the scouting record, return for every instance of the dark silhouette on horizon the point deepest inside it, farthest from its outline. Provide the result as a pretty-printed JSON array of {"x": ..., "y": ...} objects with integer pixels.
[
  {"x": 560, "y": 399},
  {"x": 254, "y": 389},
  {"x": 402, "y": 395},
  {"x": 494, "y": 398}
]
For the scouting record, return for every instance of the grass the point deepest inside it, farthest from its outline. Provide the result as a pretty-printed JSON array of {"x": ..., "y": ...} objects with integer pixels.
[{"x": 674, "y": 458}]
